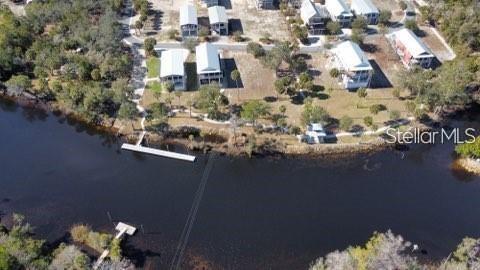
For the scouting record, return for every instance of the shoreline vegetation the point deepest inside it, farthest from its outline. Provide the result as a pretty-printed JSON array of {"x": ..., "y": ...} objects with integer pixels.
[
  {"x": 19, "y": 249},
  {"x": 210, "y": 141},
  {"x": 390, "y": 251},
  {"x": 469, "y": 156},
  {"x": 71, "y": 57}
]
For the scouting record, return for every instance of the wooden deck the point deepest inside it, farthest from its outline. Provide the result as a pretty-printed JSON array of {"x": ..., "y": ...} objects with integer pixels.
[{"x": 157, "y": 152}]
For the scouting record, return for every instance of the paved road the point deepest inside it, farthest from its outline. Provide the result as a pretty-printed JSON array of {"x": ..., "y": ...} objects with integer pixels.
[{"x": 241, "y": 47}]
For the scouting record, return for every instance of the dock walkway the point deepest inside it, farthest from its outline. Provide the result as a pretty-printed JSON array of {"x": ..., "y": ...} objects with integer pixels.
[
  {"x": 122, "y": 229},
  {"x": 157, "y": 152}
]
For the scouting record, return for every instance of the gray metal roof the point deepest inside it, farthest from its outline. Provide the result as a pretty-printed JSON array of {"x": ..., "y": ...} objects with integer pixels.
[
  {"x": 337, "y": 8},
  {"x": 412, "y": 43},
  {"x": 207, "y": 58},
  {"x": 172, "y": 62},
  {"x": 363, "y": 7},
  {"x": 217, "y": 14},
  {"x": 188, "y": 15},
  {"x": 309, "y": 10},
  {"x": 351, "y": 57}
]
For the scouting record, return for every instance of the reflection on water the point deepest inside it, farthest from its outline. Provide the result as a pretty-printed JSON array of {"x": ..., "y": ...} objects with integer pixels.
[{"x": 264, "y": 213}]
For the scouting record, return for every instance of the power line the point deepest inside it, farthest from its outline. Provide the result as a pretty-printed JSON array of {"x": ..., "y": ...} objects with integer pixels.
[{"x": 192, "y": 215}]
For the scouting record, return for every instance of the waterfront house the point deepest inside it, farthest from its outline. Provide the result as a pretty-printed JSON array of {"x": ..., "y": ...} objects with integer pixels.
[
  {"x": 353, "y": 65},
  {"x": 172, "y": 67},
  {"x": 218, "y": 20},
  {"x": 315, "y": 17},
  {"x": 366, "y": 9},
  {"x": 209, "y": 68},
  {"x": 188, "y": 21},
  {"x": 315, "y": 133},
  {"x": 211, "y": 3},
  {"x": 266, "y": 4},
  {"x": 412, "y": 51},
  {"x": 339, "y": 12}
]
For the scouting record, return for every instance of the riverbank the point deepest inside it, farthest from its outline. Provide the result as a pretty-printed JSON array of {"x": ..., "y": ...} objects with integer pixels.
[
  {"x": 69, "y": 175},
  {"x": 468, "y": 164},
  {"x": 218, "y": 143}
]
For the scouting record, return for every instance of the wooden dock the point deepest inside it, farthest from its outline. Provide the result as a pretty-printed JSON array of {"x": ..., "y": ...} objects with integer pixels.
[
  {"x": 122, "y": 229},
  {"x": 157, "y": 152}
]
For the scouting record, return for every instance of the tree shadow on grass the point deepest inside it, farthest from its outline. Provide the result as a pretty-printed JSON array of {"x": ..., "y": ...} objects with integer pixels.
[{"x": 229, "y": 66}]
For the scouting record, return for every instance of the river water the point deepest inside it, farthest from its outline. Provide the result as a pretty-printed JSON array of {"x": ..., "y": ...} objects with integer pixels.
[{"x": 255, "y": 214}]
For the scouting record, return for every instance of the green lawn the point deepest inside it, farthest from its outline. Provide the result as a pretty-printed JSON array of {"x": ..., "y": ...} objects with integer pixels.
[
  {"x": 153, "y": 67},
  {"x": 155, "y": 86}
]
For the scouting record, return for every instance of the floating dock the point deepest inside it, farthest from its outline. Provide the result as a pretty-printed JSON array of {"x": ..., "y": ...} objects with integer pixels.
[{"x": 157, "y": 152}]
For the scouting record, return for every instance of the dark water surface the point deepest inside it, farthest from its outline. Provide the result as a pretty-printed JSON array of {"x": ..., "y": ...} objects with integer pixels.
[{"x": 255, "y": 214}]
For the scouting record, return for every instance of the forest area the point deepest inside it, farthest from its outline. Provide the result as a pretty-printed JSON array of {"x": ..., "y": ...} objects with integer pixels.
[
  {"x": 69, "y": 52},
  {"x": 455, "y": 84}
]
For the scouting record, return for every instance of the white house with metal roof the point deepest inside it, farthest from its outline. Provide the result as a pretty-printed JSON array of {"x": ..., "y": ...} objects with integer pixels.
[
  {"x": 211, "y": 3},
  {"x": 209, "y": 68},
  {"x": 353, "y": 65},
  {"x": 217, "y": 16},
  {"x": 315, "y": 17},
  {"x": 188, "y": 21},
  {"x": 366, "y": 9},
  {"x": 339, "y": 12},
  {"x": 172, "y": 67},
  {"x": 412, "y": 51}
]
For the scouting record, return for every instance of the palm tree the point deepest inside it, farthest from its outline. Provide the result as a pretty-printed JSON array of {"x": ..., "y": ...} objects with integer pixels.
[
  {"x": 235, "y": 75},
  {"x": 138, "y": 26}
]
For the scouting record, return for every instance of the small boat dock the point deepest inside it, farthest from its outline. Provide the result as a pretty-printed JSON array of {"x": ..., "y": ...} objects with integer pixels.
[
  {"x": 121, "y": 228},
  {"x": 157, "y": 152}
]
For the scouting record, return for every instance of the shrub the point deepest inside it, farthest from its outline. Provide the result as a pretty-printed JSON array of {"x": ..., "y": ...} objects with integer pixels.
[
  {"x": 172, "y": 34},
  {"x": 300, "y": 32},
  {"x": 237, "y": 36},
  {"x": 98, "y": 241},
  {"x": 376, "y": 108},
  {"x": 412, "y": 25},
  {"x": 471, "y": 150},
  {"x": 294, "y": 130},
  {"x": 334, "y": 73},
  {"x": 362, "y": 92},
  {"x": 115, "y": 250},
  {"x": 384, "y": 17},
  {"x": 346, "y": 123},
  {"x": 203, "y": 32},
  {"x": 368, "y": 121},
  {"x": 394, "y": 115},
  {"x": 359, "y": 23},
  {"x": 333, "y": 27},
  {"x": 410, "y": 106},
  {"x": 150, "y": 46},
  {"x": 255, "y": 49},
  {"x": 80, "y": 233}
]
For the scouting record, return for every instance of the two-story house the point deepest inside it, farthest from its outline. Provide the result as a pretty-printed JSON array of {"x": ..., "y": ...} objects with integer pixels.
[
  {"x": 353, "y": 65},
  {"x": 412, "y": 51}
]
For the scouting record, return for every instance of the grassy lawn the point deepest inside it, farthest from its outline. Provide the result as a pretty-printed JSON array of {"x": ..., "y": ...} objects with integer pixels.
[
  {"x": 149, "y": 95},
  {"x": 153, "y": 67}
]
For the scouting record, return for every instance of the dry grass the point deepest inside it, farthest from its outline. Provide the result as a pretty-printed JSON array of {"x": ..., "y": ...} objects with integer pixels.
[
  {"x": 392, "y": 5},
  {"x": 257, "y": 80},
  {"x": 256, "y": 22},
  {"x": 435, "y": 45}
]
